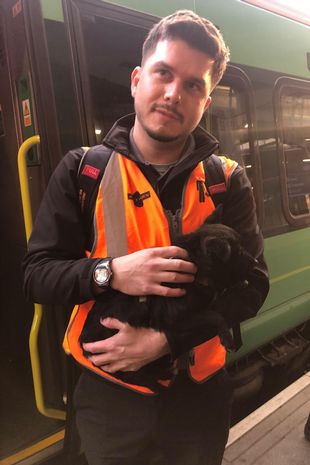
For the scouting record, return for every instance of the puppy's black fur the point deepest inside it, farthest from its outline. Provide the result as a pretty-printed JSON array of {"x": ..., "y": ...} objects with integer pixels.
[{"x": 222, "y": 264}]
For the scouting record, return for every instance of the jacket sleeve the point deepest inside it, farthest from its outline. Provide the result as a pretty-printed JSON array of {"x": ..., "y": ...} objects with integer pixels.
[
  {"x": 239, "y": 213},
  {"x": 56, "y": 270}
]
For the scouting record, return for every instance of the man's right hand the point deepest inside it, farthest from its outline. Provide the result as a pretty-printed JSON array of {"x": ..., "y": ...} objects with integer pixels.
[{"x": 143, "y": 272}]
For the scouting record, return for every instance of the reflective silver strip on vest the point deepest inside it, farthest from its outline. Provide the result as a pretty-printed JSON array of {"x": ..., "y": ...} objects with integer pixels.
[{"x": 114, "y": 209}]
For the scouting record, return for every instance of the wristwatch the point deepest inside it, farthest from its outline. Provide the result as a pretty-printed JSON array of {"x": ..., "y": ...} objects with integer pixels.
[{"x": 102, "y": 273}]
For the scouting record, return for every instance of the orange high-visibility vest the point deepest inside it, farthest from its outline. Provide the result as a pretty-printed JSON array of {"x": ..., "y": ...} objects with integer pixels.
[{"x": 122, "y": 227}]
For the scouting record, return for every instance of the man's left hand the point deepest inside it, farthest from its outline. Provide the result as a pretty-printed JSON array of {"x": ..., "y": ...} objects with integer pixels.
[{"x": 128, "y": 350}]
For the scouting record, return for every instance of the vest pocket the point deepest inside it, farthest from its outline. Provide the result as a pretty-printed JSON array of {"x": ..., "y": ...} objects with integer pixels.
[{"x": 199, "y": 185}]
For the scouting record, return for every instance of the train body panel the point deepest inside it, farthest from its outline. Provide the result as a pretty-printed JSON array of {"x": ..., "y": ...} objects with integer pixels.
[
  {"x": 288, "y": 303},
  {"x": 290, "y": 276},
  {"x": 250, "y": 45},
  {"x": 270, "y": 325}
]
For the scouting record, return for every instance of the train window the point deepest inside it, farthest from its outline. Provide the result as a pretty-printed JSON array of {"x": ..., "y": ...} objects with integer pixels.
[
  {"x": 117, "y": 38},
  {"x": 230, "y": 119},
  {"x": 227, "y": 120},
  {"x": 293, "y": 109},
  {"x": 109, "y": 73},
  {"x": 63, "y": 87},
  {"x": 296, "y": 145}
]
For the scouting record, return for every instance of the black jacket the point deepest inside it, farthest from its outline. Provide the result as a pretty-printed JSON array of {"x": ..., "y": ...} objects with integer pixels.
[{"x": 57, "y": 271}]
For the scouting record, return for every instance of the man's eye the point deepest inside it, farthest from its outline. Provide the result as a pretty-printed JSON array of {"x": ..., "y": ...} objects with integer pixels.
[
  {"x": 162, "y": 72},
  {"x": 193, "y": 86}
]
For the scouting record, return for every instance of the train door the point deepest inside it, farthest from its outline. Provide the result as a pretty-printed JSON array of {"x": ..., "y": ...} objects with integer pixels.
[
  {"x": 24, "y": 431},
  {"x": 52, "y": 83}
]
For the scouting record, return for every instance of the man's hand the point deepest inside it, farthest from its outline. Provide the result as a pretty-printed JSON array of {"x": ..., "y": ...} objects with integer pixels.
[
  {"x": 129, "y": 349},
  {"x": 143, "y": 272}
]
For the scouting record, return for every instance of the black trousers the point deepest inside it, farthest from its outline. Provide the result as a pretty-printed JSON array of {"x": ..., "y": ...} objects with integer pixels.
[{"x": 187, "y": 424}]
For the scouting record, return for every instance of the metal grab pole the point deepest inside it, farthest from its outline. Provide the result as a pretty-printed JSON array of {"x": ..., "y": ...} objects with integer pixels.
[{"x": 36, "y": 322}]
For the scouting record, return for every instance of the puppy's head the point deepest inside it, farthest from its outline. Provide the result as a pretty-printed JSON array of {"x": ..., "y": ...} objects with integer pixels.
[{"x": 217, "y": 252}]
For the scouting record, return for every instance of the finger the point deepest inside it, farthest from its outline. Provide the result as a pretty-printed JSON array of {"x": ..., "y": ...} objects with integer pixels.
[
  {"x": 175, "y": 277},
  {"x": 166, "y": 291},
  {"x": 114, "y": 367},
  {"x": 112, "y": 323},
  {"x": 172, "y": 251},
  {"x": 183, "y": 266},
  {"x": 99, "y": 347},
  {"x": 107, "y": 368},
  {"x": 107, "y": 358}
]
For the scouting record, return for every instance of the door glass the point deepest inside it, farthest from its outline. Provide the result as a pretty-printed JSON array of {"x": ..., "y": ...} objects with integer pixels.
[
  {"x": 295, "y": 111},
  {"x": 263, "y": 84},
  {"x": 227, "y": 119},
  {"x": 109, "y": 68}
]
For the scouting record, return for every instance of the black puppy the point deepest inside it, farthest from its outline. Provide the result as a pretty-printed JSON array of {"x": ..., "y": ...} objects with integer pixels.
[{"x": 222, "y": 264}]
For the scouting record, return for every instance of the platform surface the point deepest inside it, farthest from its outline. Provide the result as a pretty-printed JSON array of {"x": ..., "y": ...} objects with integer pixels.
[{"x": 274, "y": 433}]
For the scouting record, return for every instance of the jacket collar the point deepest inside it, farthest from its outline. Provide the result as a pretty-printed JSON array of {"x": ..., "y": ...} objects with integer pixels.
[{"x": 118, "y": 139}]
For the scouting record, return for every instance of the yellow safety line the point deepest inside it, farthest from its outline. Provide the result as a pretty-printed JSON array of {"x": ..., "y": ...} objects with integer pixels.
[
  {"x": 34, "y": 449},
  {"x": 288, "y": 275}
]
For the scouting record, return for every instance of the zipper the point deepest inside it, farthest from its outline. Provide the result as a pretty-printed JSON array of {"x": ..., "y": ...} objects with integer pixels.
[
  {"x": 199, "y": 155},
  {"x": 175, "y": 220},
  {"x": 174, "y": 223}
]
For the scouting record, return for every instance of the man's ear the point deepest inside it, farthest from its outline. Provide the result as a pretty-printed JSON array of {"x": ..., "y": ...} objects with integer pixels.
[
  {"x": 208, "y": 102},
  {"x": 135, "y": 78}
]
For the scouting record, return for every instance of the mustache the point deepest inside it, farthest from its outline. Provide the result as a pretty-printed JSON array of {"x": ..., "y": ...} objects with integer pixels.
[{"x": 168, "y": 108}]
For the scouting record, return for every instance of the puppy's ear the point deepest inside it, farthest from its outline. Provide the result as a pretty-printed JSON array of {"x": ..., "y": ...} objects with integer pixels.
[{"x": 217, "y": 248}]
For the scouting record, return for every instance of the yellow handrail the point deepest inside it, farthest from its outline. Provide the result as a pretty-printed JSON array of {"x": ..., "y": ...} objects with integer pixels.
[{"x": 36, "y": 323}]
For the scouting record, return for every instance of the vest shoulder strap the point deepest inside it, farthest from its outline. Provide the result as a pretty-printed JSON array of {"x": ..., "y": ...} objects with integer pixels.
[
  {"x": 215, "y": 179},
  {"x": 89, "y": 175}
]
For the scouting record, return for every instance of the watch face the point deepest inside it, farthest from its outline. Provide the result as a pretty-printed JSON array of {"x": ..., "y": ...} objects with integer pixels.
[{"x": 102, "y": 273}]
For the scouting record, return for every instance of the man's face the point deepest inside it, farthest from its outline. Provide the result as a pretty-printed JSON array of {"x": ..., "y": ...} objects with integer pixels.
[{"x": 171, "y": 91}]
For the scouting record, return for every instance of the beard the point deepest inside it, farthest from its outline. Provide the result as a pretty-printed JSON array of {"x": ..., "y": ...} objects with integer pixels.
[{"x": 158, "y": 135}]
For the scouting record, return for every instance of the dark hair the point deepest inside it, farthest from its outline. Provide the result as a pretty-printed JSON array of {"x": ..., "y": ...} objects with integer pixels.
[{"x": 197, "y": 32}]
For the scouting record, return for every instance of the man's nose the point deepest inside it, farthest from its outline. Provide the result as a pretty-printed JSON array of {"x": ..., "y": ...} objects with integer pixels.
[{"x": 173, "y": 92}]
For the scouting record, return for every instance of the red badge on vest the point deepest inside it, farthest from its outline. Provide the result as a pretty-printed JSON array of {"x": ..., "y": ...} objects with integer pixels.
[
  {"x": 217, "y": 188},
  {"x": 91, "y": 171}
]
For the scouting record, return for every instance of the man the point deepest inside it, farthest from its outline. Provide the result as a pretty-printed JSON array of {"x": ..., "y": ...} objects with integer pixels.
[{"x": 157, "y": 156}]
